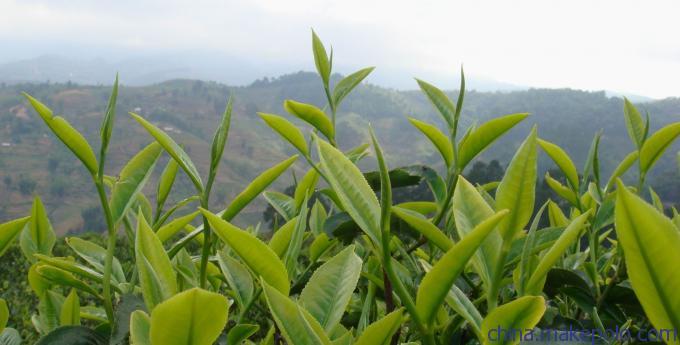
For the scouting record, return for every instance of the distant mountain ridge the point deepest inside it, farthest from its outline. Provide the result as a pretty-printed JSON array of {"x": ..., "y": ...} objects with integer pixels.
[{"x": 35, "y": 163}]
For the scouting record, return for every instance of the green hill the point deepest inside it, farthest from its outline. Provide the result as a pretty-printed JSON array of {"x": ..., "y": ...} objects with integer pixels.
[{"x": 35, "y": 163}]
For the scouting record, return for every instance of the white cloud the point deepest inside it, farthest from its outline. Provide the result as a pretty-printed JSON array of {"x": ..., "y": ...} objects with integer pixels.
[{"x": 628, "y": 46}]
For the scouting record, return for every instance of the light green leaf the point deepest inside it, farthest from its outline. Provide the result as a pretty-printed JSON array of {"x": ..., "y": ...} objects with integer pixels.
[
  {"x": 281, "y": 238},
  {"x": 4, "y": 314},
  {"x": 237, "y": 277},
  {"x": 287, "y": 130},
  {"x": 156, "y": 276},
  {"x": 323, "y": 65},
  {"x": 562, "y": 160},
  {"x": 305, "y": 187},
  {"x": 348, "y": 83},
  {"x": 109, "y": 117},
  {"x": 656, "y": 144},
  {"x": 282, "y": 203},
  {"x": 165, "y": 183},
  {"x": 469, "y": 210},
  {"x": 132, "y": 179},
  {"x": 312, "y": 115},
  {"x": 522, "y": 313},
  {"x": 173, "y": 227},
  {"x": 140, "y": 324},
  {"x": 58, "y": 276},
  {"x": 10, "y": 231},
  {"x": 220, "y": 140},
  {"x": 38, "y": 237},
  {"x": 192, "y": 317},
  {"x": 571, "y": 234},
  {"x": 650, "y": 243},
  {"x": 516, "y": 192},
  {"x": 174, "y": 150},
  {"x": 254, "y": 253},
  {"x": 483, "y": 136},
  {"x": 461, "y": 304},
  {"x": 297, "y": 326},
  {"x": 621, "y": 169},
  {"x": 70, "y": 310},
  {"x": 330, "y": 288},
  {"x": 381, "y": 331},
  {"x": 424, "y": 227},
  {"x": 256, "y": 187},
  {"x": 436, "y": 284},
  {"x": 10, "y": 336},
  {"x": 634, "y": 123},
  {"x": 440, "y": 101},
  {"x": 293, "y": 251},
  {"x": 563, "y": 191},
  {"x": 438, "y": 139},
  {"x": 95, "y": 255},
  {"x": 67, "y": 134},
  {"x": 352, "y": 189},
  {"x": 239, "y": 333}
]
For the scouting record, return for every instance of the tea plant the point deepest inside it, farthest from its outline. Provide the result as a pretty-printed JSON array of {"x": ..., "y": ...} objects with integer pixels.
[{"x": 352, "y": 267}]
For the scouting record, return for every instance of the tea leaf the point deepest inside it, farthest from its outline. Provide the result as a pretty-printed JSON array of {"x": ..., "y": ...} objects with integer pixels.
[
  {"x": 650, "y": 241},
  {"x": 165, "y": 183},
  {"x": 140, "y": 324},
  {"x": 72, "y": 335},
  {"x": 330, "y": 288},
  {"x": 95, "y": 255},
  {"x": 156, "y": 276},
  {"x": 351, "y": 188},
  {"x": 256, "y": 187},
  {"x": 561, "y": 190},
  {"x": 10, "y": 231},
  {"x": 282, "y": 203},
  {"x": 381, "y": 331},
  {"x": 59, "y": 276},
  {"x": 656, "y": 144},
  {"x": 38, "y": 237},
  {"x": 438, "y": 139},
  {"x": 522, "y": 313},
  {"x": 254, "y": 253},
  {"x": 440, "y": 101},
  {"x": 323, "y": 66},
  {"x": 67, "y": 134},
  {"x": 295, "y": 244},
  {"x": 109, "y": 118},
  {"x": 174, "y": 150},
  {"x": 287, "y": 130},
  {"x": 305, "y": 187},
  {"x": 469, "y": 210},
  {"x": 436, "y": 284},
  {"x": 192, "y": 317},
  {"x": 239, "y": 333},
  {"x": 297, "y": 326},
  {"x": 571, "y": 234},
  {"x": 4, "y": 314},
  {"x": 348, "y": 83},
  {"x": 516, "y": 191},
  {"x": 634, "y": 123},
  {"x": 220, "y": 139},
  {"x": 70, "y": 310},
  {"x": 237, "y": 277},
  {"x": 424, "y": 227},
  {"x": 132, "y": 179},
  {"x": 562, "y": 160},
  {"x": 281, "y": 238},
  {"x": 312, "y": 115},
  {"x": 482, "y": 137},
  {"x": 168, "y": 230}
]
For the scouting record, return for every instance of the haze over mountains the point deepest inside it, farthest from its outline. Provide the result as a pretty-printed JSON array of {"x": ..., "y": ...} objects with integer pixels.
[{"x": 219, "y": 67}]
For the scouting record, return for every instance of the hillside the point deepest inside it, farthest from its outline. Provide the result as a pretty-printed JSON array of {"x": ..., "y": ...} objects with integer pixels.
[{"x": 35, "y": 163}]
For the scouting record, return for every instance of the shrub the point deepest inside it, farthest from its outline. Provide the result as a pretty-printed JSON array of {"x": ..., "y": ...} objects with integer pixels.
[{"x": 457, "y": 266}]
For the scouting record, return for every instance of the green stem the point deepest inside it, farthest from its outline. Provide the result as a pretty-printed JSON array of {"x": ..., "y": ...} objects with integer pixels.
[
  {"x": 205, "y": 253},
  {"x": 110, "y": 247}
]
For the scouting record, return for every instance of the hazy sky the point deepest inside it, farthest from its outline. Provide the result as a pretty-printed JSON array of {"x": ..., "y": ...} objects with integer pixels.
[{"x": 627, "y": 46}]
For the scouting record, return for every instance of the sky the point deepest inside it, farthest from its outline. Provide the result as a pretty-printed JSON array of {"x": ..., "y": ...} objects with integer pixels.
[{"x": 623, "y": 46}]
